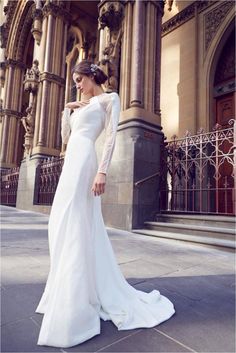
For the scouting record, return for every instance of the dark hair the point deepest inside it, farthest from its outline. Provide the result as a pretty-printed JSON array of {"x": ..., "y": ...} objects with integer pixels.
[{"x": 88, "y": 68}]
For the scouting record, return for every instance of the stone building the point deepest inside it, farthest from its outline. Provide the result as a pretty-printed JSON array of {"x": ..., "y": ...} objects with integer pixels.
[
  {"x": 170, "y": 61},
  {"x": 198, "y": 58}
]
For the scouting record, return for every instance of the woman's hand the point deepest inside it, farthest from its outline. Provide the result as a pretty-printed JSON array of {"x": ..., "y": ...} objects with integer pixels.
[
  {"x": 74, "y": 105},
  {"x": 99, "y": 182}
]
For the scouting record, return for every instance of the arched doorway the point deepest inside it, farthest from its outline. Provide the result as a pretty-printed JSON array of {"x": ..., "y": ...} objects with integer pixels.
[
  {"x": 224, "y": 84},
  {"x": 224, "y": 111}
]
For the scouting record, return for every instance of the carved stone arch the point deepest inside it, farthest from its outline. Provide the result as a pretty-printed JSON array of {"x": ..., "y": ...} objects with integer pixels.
[
  {"x": 9, "y": 11},
  {"x": 22, "y": 31},
  {"x": 210, "y": 63}
]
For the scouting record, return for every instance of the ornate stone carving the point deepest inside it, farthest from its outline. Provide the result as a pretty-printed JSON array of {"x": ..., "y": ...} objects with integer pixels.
[
  {"x": 31, "y": 85},
  {"x": 36, "y": 29},
  {"x": 52, "y": 77},
  {"x": 2, "y": 73},
  {"x": 185, "y": 15},
  {"x": 55, "y": 10},
  {"x": 11, "y": 112},
  {"x": 214, "y": 18},
  {"x": 111, "y": 59},
  {"x": 32, "y": 78},
  {"x": 22, "y": 29},
  {"x": 111, "y": 14},
  {"x": 202, "y": 5},
  {"x": 178, "y": 19},
  {"x": 9, "y": 11},
  {"x": 28, "y": 123},
  {"x": 16, "y": 63}
]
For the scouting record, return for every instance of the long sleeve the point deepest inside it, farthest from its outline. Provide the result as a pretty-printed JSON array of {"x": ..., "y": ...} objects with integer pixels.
[
  {"x": 65, "y": 125},
  {"x": 112, "y": 112}
]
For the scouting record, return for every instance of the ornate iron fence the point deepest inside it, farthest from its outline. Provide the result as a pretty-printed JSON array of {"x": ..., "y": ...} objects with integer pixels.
[
  {"x": 47, "y": 175},
  {"x": 9, "y": 184},
  {"x": 198, "y": 172}
]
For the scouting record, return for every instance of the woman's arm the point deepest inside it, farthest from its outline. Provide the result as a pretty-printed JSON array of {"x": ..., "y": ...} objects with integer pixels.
[
  {"x": 65, "y": 126},
  {"x": 111, "y": 105},
  {"x": 112, "y": 109}
]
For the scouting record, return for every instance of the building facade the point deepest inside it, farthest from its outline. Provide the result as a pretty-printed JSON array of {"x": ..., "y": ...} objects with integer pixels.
[
  {"x": 168, "y": 61},
  {"x": 198, "y": 58},
  {"x": 42, "y": 41}
]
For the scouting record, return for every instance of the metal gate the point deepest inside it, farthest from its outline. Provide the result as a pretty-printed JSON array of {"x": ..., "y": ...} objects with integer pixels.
[{"x": 197, "y": 174}]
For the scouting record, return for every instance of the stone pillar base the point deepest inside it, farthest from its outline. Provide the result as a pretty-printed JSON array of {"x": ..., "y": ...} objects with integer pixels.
[
  {"x": 136, "y": 156},
  {"x": 26, "y": 186}
]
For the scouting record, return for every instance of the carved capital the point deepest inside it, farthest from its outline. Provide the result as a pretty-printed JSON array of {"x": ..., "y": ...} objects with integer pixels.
[
  {"x": 12, "y": 113},
  {"x": 15, "y": 63},
  {"x": 111, "y": 14},
  {"x": 56, "y": 11},
  {"x": 52, "y": 77}
]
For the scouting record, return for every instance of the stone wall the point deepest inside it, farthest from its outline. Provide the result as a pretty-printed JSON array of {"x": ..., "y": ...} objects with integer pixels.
[{"x": 191, "y": 41}]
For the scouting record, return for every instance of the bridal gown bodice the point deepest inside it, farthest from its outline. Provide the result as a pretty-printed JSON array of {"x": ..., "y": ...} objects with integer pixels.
[
  {"x": 89, "y": 121},
  {"x": 85, "y": 283}
]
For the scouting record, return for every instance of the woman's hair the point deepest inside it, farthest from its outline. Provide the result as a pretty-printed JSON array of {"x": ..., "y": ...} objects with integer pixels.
[{"x": 86, "y": 67}]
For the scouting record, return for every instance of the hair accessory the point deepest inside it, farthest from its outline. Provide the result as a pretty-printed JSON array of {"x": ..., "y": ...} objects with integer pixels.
[{"x": 94, "y": 68}]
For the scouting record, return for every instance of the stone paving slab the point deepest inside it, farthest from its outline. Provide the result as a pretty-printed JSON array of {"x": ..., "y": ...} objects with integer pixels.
[{"x": 199, "y": 280}]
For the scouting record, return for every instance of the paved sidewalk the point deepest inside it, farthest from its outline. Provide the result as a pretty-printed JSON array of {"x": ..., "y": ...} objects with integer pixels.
[{"x": 198, "y": 280}]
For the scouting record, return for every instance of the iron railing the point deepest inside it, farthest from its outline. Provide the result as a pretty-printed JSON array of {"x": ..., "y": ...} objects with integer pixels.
[
  {"x": 198, "y": 172},
  {"x": 47, "y": 175},
  {"x": 9, "y": 183}
]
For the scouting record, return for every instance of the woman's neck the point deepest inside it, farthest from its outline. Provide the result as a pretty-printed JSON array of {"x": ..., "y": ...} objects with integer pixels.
[{"x": 97, "y": 90}]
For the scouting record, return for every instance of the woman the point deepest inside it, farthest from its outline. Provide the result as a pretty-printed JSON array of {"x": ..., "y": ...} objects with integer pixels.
[{"x": 85, "y": 282}]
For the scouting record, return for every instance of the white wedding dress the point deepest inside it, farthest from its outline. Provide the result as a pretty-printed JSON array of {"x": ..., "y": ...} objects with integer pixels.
[{"x": 85, "y": 283}]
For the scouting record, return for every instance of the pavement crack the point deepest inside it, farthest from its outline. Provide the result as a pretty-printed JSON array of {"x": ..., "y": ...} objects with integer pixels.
[
  {"x": 34, "y": 321},
  {"x": 176, "y": 341},
  {"x": 121, "y": 339}
]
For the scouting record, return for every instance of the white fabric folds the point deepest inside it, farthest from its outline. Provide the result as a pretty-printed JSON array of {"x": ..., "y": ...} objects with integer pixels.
[{"x": 85, "y": 283}]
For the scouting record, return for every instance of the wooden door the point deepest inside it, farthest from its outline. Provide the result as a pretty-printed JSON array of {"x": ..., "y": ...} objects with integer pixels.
[{"x": 225, "y": 111}]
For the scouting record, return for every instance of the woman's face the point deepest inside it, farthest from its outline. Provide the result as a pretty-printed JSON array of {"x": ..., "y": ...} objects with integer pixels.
[{"x": 84, "y": 83}]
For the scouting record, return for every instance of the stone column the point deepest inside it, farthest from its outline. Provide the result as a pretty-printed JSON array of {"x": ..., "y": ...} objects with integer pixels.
[
  {"x": 50, "y": 51},
  {"x": 11, "y": 114},
  {"x": 137, "y": 67},
  {"x": 137, "y": 152},
  {"x": 52, "y": 81}
]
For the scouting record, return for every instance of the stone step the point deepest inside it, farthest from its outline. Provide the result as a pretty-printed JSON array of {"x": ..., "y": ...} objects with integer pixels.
[
  {"x": 207, "y": 220},
  {"x": 192, "y": 229},
  {"x": 212, "y": 241}
]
